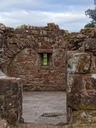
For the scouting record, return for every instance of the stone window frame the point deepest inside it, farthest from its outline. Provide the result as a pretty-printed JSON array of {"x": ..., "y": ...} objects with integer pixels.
[
  {"x": 41, "y": 54},
  {"x": 45, "y": 62}
]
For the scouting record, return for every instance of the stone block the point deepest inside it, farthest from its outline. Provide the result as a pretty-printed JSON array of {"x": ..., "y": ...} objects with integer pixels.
[
  {"x": 84, "y": 116},
  {"x": 93, "y": 64},
  {"x": 52, "y": 26},
  {"x": 78, "y": 62},
  {"x": 82, "y": 91},
  {"x": 10, "y": 99},
  {"x": 90, "y": 45}
]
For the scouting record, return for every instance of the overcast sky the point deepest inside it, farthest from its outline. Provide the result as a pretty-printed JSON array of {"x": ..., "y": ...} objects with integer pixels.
[{"x": 68, "y": 14}]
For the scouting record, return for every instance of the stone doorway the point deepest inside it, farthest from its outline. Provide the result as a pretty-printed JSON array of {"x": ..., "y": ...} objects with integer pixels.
[{"x": 45, "y": 107}]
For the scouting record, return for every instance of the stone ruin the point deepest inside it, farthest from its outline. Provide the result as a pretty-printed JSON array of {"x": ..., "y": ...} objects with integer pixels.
[
  {"x": 81, "y": 77},
  {"x": 70, "y": 66},
  {"x": 10, "y": 89},
  {"x": 24, "y": 52}
]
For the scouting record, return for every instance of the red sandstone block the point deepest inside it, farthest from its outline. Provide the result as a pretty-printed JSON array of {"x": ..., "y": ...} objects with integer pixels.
[
  {"x": 82, "y": 91},
  {"x": 79, "y": 62}
]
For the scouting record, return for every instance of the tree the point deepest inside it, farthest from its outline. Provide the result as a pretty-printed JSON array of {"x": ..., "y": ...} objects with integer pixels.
[
  {"x": 92, "y": 14},
  {"x": 90, "y": 25}
]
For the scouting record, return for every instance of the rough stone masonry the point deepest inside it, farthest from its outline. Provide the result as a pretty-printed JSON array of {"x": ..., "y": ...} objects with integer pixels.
[
  {"x": 24, "y": 52},
  {"x": 70, "y": 64},
  {"x": 10, "y": 90},
  {"x": 81, "y": 77}
]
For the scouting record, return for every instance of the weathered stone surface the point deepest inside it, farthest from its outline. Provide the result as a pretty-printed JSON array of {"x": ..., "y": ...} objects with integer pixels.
[
  {"x": 79, "y": 62},
  {"x": 23, "y": 58},
  {"x": 82, "y": 92},
  {"x": 90, "y": 45},
  {"x": 93, "y": 64},
  {"x": 3, "y": 123},
  {"x": 75, "y": 125},
  {"x": 2, "y": 41},
  {"x": 89, "y": 32},
  {"x": 10, "y": 99},
  {"x": 21, "y": 52},
  {"x": 84, "y": 117},
  {"x": 74, "y": 41},
  {"x": 2, "y": 27}
]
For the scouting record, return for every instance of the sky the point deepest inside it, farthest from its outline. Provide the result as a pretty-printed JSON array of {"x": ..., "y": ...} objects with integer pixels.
[{"x": 68, "y": 14}]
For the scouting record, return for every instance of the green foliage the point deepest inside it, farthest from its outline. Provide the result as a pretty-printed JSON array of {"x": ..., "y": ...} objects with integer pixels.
[
  {"x": 45, "y": 59},
  {"x": 92, "y": 14},
  {"x": 90, "y": 25}
]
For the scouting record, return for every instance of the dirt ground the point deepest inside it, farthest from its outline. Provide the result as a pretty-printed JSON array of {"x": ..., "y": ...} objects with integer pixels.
[{"x": 44, "y": 108}]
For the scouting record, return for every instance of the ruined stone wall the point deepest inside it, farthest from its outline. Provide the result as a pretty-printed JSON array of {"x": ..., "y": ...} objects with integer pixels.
[
  {"x": 10, "y": 88},
  {"x": 10, "y": 99},
  {"x": 82, "y": 78},
  {"x": 22, "y": 49},
  {"x": 23, "y": 57}
]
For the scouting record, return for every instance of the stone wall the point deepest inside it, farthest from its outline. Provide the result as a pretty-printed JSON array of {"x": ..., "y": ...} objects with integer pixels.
[
  {"x": 72, "y": 63},
  {"x": 10, "y": 88},
  {"x": 23, "y": 57},
  {"x": 82, "y": 79},
  {"x": 10, "y": 99}
]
